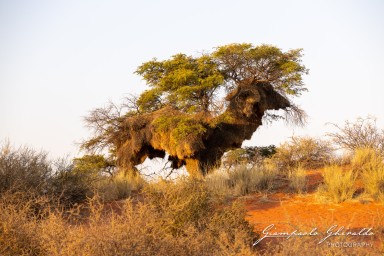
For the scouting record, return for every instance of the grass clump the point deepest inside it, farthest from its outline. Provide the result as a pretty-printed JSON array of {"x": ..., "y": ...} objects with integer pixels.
[
  {"x": 297, "y": 179},
  {"x": 339, "y": 184},
  {"x": 370, "y": 164},
  {"x": 245, "y": 181},
  {"x": 119, "y": 186},
  {"x": 241, "y": 180}
]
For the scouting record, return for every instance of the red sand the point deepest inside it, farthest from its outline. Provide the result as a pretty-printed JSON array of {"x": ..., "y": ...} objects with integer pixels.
[{"x": 289, "y": 212}]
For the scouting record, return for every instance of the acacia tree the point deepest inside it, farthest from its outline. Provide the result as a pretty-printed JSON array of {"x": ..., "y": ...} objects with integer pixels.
[
  {"x": 200, "y": 99},
  {"x": 191, "y": 84}
]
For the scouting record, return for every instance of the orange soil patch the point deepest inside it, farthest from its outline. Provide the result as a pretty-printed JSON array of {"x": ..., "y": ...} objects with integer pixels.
[
  {"x": 289, "y": 212},
  {"x": 303, "y": 211}
]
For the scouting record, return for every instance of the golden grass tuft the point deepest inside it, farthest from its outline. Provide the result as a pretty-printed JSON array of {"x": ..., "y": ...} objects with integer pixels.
[
  {"x": 339, "y": 184},
  {"x": 370, "y": 164},
  {"x": 297, "y": 179},
  {"x": 241, "y": 180}
]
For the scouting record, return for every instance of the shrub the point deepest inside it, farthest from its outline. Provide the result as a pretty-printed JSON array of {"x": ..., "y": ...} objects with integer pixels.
[
  {"x": 302, "y": 151},
  {"x": 218, "y": 182},
  {"x": 179, "y": 203},
  {"x": 23, "y": 169},
  {"x": 71, "y": 186},
  {"x": 339, "y": 185},
  {"x": 19, "y": 223},
  {"x": 370, "y": 163},
  {"x": 73, "y": 182},
  {"x": 363, "y": 133},
  {"x": 252, "y": 156}
]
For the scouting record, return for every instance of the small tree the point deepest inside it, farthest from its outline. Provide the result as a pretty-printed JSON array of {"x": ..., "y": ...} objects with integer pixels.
[
  {"x": 96, "y": 164},
  {"x": 363, "y": 133}
]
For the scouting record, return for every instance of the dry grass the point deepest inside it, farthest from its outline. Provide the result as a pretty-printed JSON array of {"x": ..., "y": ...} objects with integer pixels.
[
  {"x": 174, "y": 219},
  {"x": 241, "y": 180},
  {"x": 339, "y": 184},
  {"x": 183, "y": 217},
  {"x": 298, "y": 179},
  {"x": 306, "y": 152},
  {"x": 370, "y": 164},
  {"x": 119, "y": 186}
]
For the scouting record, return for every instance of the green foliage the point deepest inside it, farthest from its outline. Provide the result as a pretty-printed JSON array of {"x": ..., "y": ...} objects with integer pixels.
[
  {"x": 245, "y": 62},
  {"x": 196, "y": 87},
  {"x": 192, "y": 83},
  {"x": 182, "y": 127},
  {"x": 96, "y": 164},
  {"x": 186, "y": 82}
]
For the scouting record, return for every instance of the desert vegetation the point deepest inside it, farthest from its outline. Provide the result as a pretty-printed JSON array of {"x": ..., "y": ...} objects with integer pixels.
[
  {"x": 85, "y": 206},
  {"x": 196, "y": 114}
]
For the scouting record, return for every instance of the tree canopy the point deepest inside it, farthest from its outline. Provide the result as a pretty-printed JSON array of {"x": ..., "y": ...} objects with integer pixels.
[{"x": 192, "y": 84}]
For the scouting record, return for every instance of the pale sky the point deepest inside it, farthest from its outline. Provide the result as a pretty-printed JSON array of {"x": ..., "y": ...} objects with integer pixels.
[{"x": 61, "y": 59}]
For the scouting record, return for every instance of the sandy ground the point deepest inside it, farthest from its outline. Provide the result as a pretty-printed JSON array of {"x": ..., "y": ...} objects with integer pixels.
[{"x": 304, "y": 213}]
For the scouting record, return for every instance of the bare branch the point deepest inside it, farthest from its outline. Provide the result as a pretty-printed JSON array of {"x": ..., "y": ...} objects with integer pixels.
[
  {"x": 295, "y": 115},
  {"x": 363, "y": 133}
]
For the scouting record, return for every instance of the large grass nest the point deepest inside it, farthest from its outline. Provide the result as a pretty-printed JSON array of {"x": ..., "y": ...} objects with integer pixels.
[{"x": 196, "y": 140}]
